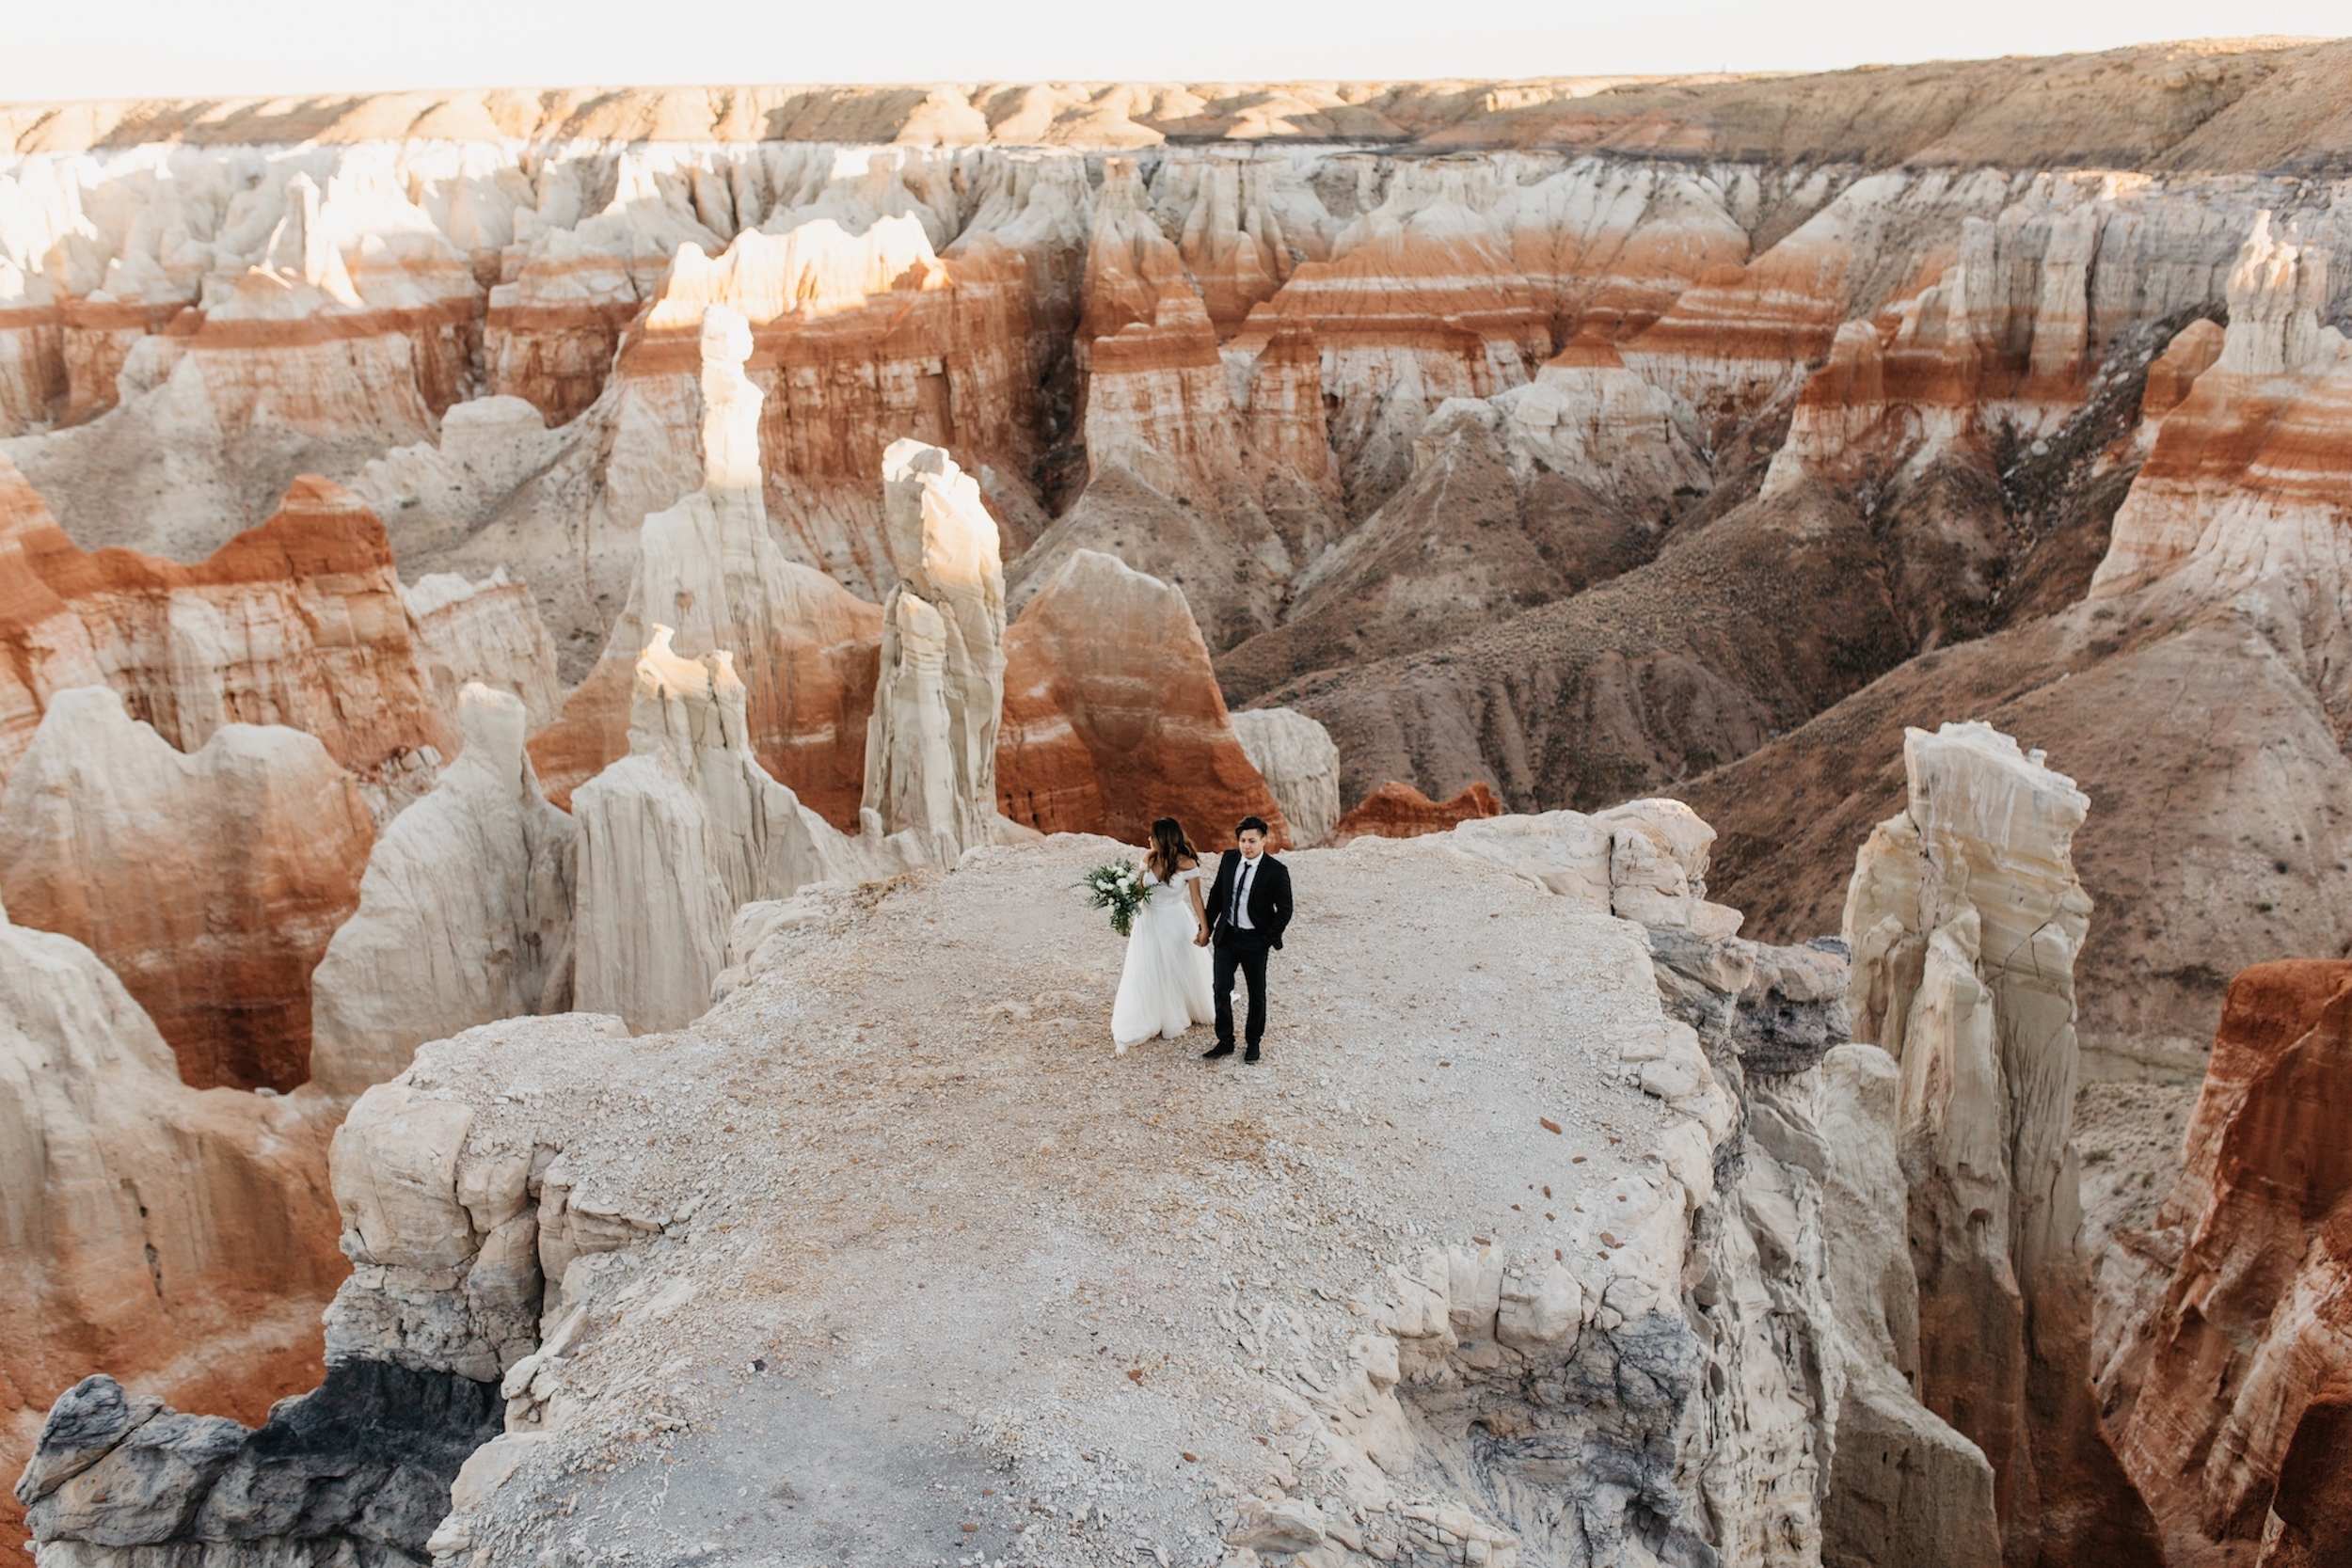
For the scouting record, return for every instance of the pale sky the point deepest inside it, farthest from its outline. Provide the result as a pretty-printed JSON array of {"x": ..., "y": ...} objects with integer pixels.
[{"x": 235, "y": 47}]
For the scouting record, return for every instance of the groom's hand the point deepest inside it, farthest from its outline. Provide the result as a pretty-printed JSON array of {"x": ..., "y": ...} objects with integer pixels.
[{"x": 1201, "y": 940}]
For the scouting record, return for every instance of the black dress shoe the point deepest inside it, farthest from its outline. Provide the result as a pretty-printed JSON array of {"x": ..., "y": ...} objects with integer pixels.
[
  {"x": 1215, "y": 1051},
  {"x": 1250, "y": 1054}
]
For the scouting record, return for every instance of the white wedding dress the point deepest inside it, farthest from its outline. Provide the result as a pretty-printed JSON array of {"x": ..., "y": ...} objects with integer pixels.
[{"x": 1164, "y": 989}]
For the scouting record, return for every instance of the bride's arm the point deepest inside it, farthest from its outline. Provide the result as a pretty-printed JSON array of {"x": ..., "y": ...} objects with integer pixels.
[{"x": 1199, "y": 911}]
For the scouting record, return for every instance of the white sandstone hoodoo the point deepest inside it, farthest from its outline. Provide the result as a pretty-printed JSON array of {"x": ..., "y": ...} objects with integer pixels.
[
  {"x": 465, "y": 913},
  {"x": 930, "y": 752},
  {"x": 1965, "y": 918},
  {"x": 683, "y": 832}
]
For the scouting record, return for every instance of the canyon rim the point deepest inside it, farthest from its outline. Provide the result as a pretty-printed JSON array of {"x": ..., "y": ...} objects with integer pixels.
[{"x": 564, "y": 649}]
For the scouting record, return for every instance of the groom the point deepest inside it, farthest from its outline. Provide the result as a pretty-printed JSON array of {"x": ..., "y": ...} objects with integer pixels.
[{"x": 1249, "y": 906}]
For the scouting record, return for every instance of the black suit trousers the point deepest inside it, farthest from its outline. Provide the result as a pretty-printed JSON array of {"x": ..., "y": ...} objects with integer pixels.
[{"x": 1237, "y": 951}]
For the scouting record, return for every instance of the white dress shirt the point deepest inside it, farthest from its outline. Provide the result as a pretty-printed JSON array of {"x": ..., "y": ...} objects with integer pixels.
[{"x": 1241, "y": 893}]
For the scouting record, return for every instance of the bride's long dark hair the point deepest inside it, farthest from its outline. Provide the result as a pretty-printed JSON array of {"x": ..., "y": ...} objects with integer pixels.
[{"x": 1170, "y": 849}]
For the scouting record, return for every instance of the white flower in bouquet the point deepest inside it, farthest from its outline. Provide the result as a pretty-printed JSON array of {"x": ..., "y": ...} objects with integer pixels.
[{"x": 1119, "y": 888}]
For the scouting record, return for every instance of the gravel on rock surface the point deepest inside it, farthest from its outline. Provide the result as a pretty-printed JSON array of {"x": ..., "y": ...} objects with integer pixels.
[{"x": 931, "y": 1272}]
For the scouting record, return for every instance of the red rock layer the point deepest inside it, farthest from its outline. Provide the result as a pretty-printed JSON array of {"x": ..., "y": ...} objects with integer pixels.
[
  {"x": 1739, "y": 332},
  {"x": 1397, "y": 810},
  {"x": 939, "y": 351},
  {"x": 2254, "y": 1331},
  {"x": 298, "y": 622},
  {"x": 209, "y": 882},
  {"x": 1451, "y": 303},
  {"x": 184, "y": 1242},
  {"x": 1157, "y": 399},
  {"x": 808, "y": 694},
  {"x": 2313, "y": 1503},
  {"x": 1113, "y": 716},
  {"x": 2244, "y": 487},
  {"x": 99, "y": 335},
  {"x": 554, "y": 327},
  {"x": 2188, "y": 355}
]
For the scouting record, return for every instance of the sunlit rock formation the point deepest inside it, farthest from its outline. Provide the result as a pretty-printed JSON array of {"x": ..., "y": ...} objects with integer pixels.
[
  {"x": 711, "y": 569},
  {"x": 208, "y": 880},
  {"x": 1300, "y": 766},
  {"x": 261, "y": 318},
  {"x": 1113, "y": 716},
  {"x": 1965, "y": 918},
  {"x": 868, "y": 326},
  {"x": 2234, "y": 1355},
  {"x": 484, "y": 632},
  {"x": 183, "y": 1238},
  {"x": 299, "y": 622},
  {"x": 686, "y": 829},
  {"x": 464, "y": 914},
  {"x": 931, "y": 749}
]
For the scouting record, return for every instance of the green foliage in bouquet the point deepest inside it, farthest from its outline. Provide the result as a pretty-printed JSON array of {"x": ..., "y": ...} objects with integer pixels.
[{"x": 1117, "y": 887}]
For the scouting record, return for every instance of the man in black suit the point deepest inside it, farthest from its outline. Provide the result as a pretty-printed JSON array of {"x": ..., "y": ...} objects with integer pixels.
[{"x": 1249, "y": 904}]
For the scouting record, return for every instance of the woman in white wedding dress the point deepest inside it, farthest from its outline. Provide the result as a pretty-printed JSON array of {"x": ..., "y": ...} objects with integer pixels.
[{"x": 1164, "y": 989}]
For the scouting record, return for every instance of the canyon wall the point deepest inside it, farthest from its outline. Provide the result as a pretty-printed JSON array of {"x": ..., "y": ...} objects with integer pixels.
[
  {"x": 210, "y": 882},
  {"x": 181, "y": 1238},
  {"x": 2227, "y": 1363}
]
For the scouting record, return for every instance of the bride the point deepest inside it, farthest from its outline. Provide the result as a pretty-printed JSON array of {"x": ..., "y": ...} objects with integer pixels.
[{"x": 1164, "y": 989}]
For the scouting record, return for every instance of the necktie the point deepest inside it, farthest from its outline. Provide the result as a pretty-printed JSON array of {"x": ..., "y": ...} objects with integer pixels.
[{"x": 1241, "y": 891}]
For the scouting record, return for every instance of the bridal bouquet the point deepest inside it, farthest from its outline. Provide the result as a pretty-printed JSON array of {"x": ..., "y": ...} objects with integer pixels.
[{"x": 1119, "y": 888}]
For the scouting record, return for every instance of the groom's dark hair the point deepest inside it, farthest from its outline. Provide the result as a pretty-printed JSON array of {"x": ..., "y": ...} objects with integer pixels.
[{"x": 1250, "y": 823}]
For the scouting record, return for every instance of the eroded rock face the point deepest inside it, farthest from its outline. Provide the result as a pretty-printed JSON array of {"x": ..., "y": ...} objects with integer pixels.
[
  {"x": 1300, "y": 766},
  {"x": 679, "y": 834},
  {"x": 1113, "y": 716},
  {"x": 486, "y": 632},
  {"x": 931, "y": 749},
  {"x": 210, "y": 882},
  {"x": 709, "y": 569},
  {"x": 183, "y": 1238},
  {"x": 1964, "y": 919},
  {"x": 1904, "y": 1487},
  {"x": 465, "y": 911},
  {"x": 2238, "y": 1346},
  {"x": 2244, "y": 487},
  {"x": 299, "y": 622}
]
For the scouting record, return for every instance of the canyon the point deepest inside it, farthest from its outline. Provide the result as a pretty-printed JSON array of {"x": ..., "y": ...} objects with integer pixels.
[{"x": 541, "y": 626}]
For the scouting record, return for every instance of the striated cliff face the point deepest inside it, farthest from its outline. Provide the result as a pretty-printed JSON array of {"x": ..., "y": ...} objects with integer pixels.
[
  {"x": 299, "y": 622},
  {"x": 181, "y": 1238},
  {"x": 1964, "y": 918},
  {"x": 210, "y": 882},
  {"x": 1112, "y": 716},
  {"x": 2226, "y": 1368}
]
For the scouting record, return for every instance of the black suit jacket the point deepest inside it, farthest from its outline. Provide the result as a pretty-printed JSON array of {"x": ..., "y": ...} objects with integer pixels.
[{"x": 1269, "y": 900}]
